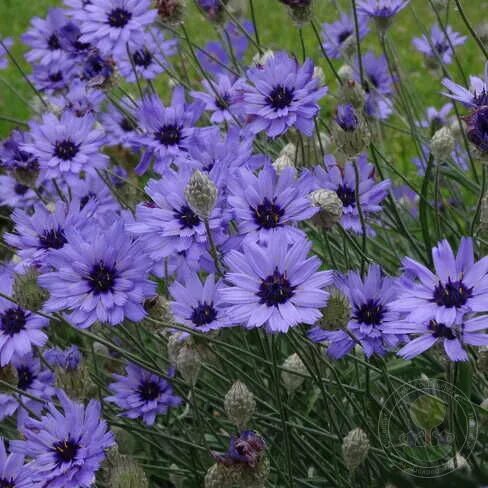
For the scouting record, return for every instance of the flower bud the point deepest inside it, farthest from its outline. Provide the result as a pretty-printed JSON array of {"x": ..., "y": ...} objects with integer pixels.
[
  {"x": 337, "y": 312},
  {"x": 77, "y": 383},
  {"x": 319, "y": 74},
  {"x": 126, "y": 473},
  {"x": 352, "y": 93},
  {"x": 442, "y": 144},
  {"x": 175, "y": 477},
  {"x": 440, "y": 4},
  {"x": 171, "y": 11},
  {"x": 483, "y": 359},
  {"x": 8, "y": 375},
  {"x": 27, "y": 292},
  {"x": 201, "y": 194},
  {"x": 300, "y": 10},
  {"x": 282, "y": 162},
  {"x": 459, "y": 462},
  {"x": 346, "y": 72},
  {"x": 355, "y": 447},
  {"x": 259, "y": 60},
  {"x": 482, "y": 32},
  {"x": 484, "y": 214},
  {"x": 217, "y": 477},
  {"x": 350, "y": 132},
  {"x": 331, "y": 207},
  {"x": 484, "y": 415},
  {"x": 175, "y": 344},
  {"x": 294, "y": 377},
  {"x": 239, "y": 405},
  {"x": 188, "y": 363}
]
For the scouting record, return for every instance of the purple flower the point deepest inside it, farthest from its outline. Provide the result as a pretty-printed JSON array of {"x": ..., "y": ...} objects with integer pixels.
[
  {"x": 438, "y": 44},
  {"x": 282, "y": 94},
  {"x": 213, "y": 57},
  {"x": 8, "y": 43},
  {"x": 212, "y": 8},
  {"x": 239, "y": 41},
  {"x": 199, "y": 305},
  {"x": 80, "y": 100},
  {"x": 476, "y": 96},
  {"x": 276, "y": 286},
  {"x": 343, "y": 182},
  {"x": 14, "y": 158},
  {"x": 13, "y": 472},
  {"x": 102, "y": 275},
  {"x": 67, "y": 447},
  {"x": 458, "y": 286},
  {"x": 370, "y": 300},
  {"x": 68, "y": 359},
  {"x": 142, "y": 394},
  {"x": 435, "y": 119},
  {"x": 34, "y": 381},
  {"x": 477, "y": 128},
  {"x": 247, "y": 448},
  {"x": 111, "y": 24},
  {"x": 97, "y": 70},
  {"x": 340, "y": 35},
  {"x": 269, "y": 203},
  {"x": 454, "y": 337},
  {"x": 168, "y": 131},
  {"x": 14, "y": 194},
  {"x": 56, "y": 76},
  {"x": 347, "y": 118},
  {"x": 67, "y": 146},
  {"x": 43, "y": 38},
  {"x": 381, "y": 9}
]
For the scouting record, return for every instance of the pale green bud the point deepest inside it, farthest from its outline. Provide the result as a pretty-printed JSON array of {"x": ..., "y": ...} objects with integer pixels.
[
  {"x": 239, "y": 405},
  {"x": 346, "y": 72},
  {"x": 188, "y": 363},
  {"x": 484, "y": 214},
  {"x": 126, "y": 473},
  {"x": 352, "y": 92},
  {"x": 355, "y": 447},
  {"x": 442, "y": 144},
  {"x": 262, "y": 59},
  {"x": 331, "y": 207},
  {"x": 27, "y": 292},
  {"x": 201, "y": 194},
  {"x": 295, "y": 373}
]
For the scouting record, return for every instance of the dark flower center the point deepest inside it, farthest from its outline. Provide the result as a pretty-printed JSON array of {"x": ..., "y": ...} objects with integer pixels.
[
  {"x": 12, "y": 321},
  {"x": 5, "y": 483},
  {"x": 169, "y": 135},
  {"x": 66, "y": 150},
  {"x": 89, "y": 196},
  {"x": 187, "y": 217},
  {"x": 102, "y": 278},
  {"x": 280, "y": 97},
  {"x": 347, "y": 195},
  {"x": 65, "y": 451},
  {"x": 372, "y": 80},
  {"x": 343, "y": 36},
  {"x": 223, "y": 101},
  {"x": 452, "y": 294},
  {"x": 481, "y": 98},
  {"x": 118, "y": 18},
  {"x": 143, "y": 57},
  {"x": 370, "y": 313},
  {"x": 25, "y": 378},
  {"x": 127, "y": 125},
  {"x": 52, "y": 239},
  {"x": 203, "y": 314},
  {"x": 149, "y": 390},
  {"x": 20, "y": 189},
  {"x": 56, "y": 77},
  {"x": 441, "y": 47},
  {"x": 53, "y": 42},
  {"x": 267, "y": 215},
  {"x": 275, "y": 289},
  {"x": 441, "y": 331}
]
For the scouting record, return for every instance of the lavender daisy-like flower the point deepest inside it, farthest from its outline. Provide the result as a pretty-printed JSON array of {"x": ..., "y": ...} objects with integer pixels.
[
  {"x": 477, "y": 128},
  {"x": 347, "y": 118},
  {"x": 339, "y": 37},
  {"x": 54, "y": 77},
  {"x": 43, "y": 38},
  {"x": 439, "y": 44},
  {"x": 282, "y": 94},
  {"x": 80, "y": 100},
  {"x": 435, "y": 119},
  {"x": 97, "y": 70},
  {"x": 14, "y": 158},
  {"x": 370, "y": 300},
  {"x": 458, "y": 286},
  {"x": 476, "y": 96},
  {"x": 269, "y": 202},
  {"x": 199, "y": 305},
  {"x": 454, "y": 338},
  {"x": 67, "y": 146},
  {"x": 276, "y": 286},
  {"x": 67, "y": 447},
  {"x": 111, "y": 24},
  {"x": 141, "y": 394},
  {"x": 14, "y": 194},
  {"x": 168, "y": 131},
  {"x": 68, "y": 359},
  {"x": 343, "y": 182},
  {"x": 100, "y": 275},
  {"x": 8, "y": 43},
  {"x": 246, "y": 448},
  {"x": 13, "y": 472},
  {"x": 382, "y": 11}
]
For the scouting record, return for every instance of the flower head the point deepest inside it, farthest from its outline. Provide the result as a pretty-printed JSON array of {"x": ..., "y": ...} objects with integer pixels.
[
  {"x": 476, "y": 96},
  {"x": 142, "y": 394},
  {"x": 246, "y": 448},
  {"x": 477, "y": 129},
  {"x": 13, "y": 472},
  {"x": 381, "y": 10}
]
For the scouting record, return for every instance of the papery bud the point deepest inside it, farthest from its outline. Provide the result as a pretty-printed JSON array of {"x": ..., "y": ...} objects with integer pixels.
[
  {"x": 8, "y": 375},
  {"x": 482, "y": 32},
  {"x": 188, "y": 363},
  {"x": 260, "y": 60},
  {"x": 176, "y": 342},
  {"x": 239, "y": 405},
  {"x": 331, "y": 207},
  {"x": 282, "y": 162},
  {"x": 350, "y": 132},
  {"x": 459, "y": 463},
  {"x": 77, "y": 383},
  {"x": 218, "y": 477},
  {"x": 483, "y": 359},
  {"x": 319, "y": 74},
  {"x": 442, "y": 144},
  {"x": 27, "y": 292},
  {"x": 126, "y": 473},
  {"x": 158, "y": 309},
  {"x": 484, "y": 213},
  {"x": 440, "y": 4},
  {"x": 484, "y": 415},
  {"x": 171, "y": 12},
  {"x": 352, "y": 93},
  {"x": 300, "y": 10},
  {"x": 355, "y": 447},
  {"x": 337, "y": 313},
  {"x": 201, "y": 194},
  {"x": 346, "y": 72},
  {"x": 294, "y": 377},
  {"x": 175, "y": 477}
]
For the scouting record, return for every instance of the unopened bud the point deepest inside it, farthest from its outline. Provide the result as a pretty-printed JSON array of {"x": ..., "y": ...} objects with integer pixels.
[
  {"x": 331, "y": 207},
  {"x": 350, "y": 131},
  {"x": 442, "y": 144},
  {"x": 440, "y": 4},
  {"x": 201, "y": 194},
  {"x": 352, "y": 93},
  {"x": 484, "y": 213},
  {"x": 295, "y": 373},
  {"x": 319, "y": 74},
  {"x": 8, "y": 375},
  {"x": 126, "y": 473},
  {"x": 459, "y": 462},
  {"x": 355, "y": 447},
  {"x": 484, "y": 414},
  {"x": 175, "y": 344},
  {"x": 346, "y": 72},
  {"x": 337, "y": 313},
  {"x": 300, "y": 10},
  {"x": 239, "y": 405},
  {"x": 217, "y": 477},
  {"x": 27, "y": 292},
  {"x": 188, "y": 363},
  {"x": 483, "y": 359},
  {"x": 260, "y": 60},
  {"x": 171, "y": 12},
  {"x": 282, "y": 162},
  {"x": 77, "y": 383},
  {"x": 482, "y": 32}
]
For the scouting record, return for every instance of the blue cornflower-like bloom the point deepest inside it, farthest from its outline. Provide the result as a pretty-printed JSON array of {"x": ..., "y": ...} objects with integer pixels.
[
  {"x": 67, "y": 447},
  {"x": 213, "y": 57},
  {"x": 458, "y": 286},
  {"x": 199, "y": 305},
  {"x": 13, "y": 156},
  {"x": 343, "y": 181},
  {"x": 97, "y": 70},
  {"x": 439, "y": 44},
  {"x": 269, "y": 202},
  {"x": 13, "y": 472},
  {"x": 54, "y": 77},
  {"x": 67, "y": 146},
  {"x": 347, "y": 118},
  {"x": 282, "y": 94},
  {"x": 435, "y": 119},
  {"x": 110, "y": 25},
  {"x": 370, "y": 301},
  {"x": 167, "y": 131},
  {"x": 246, "y": 448},
  {"x": 277, "y": 286},
  {"x": 477, "y": 128},
  {"x": 99, "y": 275},
  {"x": 67, "y": 359},
  {"x": 80, "y": 100},
  {"x": 8, "y": 43},
  {"x": 381, "y": 10},
  {"x": 141, "y": 394},
  {"x": 475, "y": 97},
  {"x": 15, "y": 194},
  {"x": 340, "y": 35}
]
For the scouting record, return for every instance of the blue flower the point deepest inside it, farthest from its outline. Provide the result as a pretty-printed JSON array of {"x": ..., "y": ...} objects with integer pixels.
[{"x": 13, "y": 472}]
